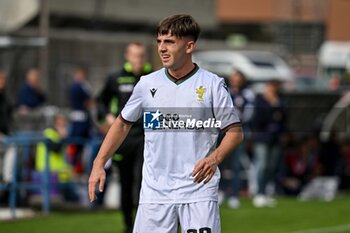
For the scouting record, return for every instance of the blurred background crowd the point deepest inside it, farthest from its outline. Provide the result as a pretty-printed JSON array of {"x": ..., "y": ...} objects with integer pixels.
[{"x": 287, "y": 65}]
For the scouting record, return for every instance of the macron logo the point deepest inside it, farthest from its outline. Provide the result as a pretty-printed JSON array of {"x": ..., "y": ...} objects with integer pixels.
[{"x": 153, "y": 91}]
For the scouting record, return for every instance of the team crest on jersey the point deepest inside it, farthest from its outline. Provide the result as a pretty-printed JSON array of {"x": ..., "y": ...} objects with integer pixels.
[{"x": 200, "y": 93}]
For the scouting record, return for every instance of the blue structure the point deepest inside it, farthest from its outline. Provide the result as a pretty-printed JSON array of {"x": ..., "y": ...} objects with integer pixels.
[{"x": 22, "y": 143}]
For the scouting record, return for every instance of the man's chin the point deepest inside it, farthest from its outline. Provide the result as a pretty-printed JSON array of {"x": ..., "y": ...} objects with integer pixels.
[{"x": 166, "y": 65}]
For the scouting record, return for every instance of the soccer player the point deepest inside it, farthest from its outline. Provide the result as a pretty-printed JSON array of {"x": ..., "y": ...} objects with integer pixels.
[{"x": 180, "y": 175}]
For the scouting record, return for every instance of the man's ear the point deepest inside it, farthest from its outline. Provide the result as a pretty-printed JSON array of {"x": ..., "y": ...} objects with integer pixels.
[{"x": 190, "y": 46}]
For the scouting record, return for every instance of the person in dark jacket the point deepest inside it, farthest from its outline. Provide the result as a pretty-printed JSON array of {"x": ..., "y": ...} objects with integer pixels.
[
  {"x": 243, "y": 99},
  {"x": 268, "y": 126},
  {"x": 31, "y": 95},
  {"x": 6, "y": 119},
  {"x": 111, "y": 100},
  {"x": 80, "y": 99},
  {"x": 5, "y": 107}
]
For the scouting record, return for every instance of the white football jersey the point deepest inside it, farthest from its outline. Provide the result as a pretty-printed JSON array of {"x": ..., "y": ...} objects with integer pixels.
[{"x": 182, "y": 119}]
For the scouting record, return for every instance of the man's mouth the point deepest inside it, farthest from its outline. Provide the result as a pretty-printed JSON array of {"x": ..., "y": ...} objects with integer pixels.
[{"x": 165, "y": 57}]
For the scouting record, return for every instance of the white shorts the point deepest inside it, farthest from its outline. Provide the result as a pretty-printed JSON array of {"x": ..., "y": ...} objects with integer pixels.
[{"x": 197, "y": 217}]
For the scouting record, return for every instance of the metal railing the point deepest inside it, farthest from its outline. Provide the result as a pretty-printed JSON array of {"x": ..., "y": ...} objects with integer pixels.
[{"x": 22, "y": 143}]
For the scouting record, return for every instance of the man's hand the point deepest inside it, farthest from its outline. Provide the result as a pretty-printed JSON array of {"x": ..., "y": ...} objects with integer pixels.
[
  {"x": 205, "y": 169},
  {"x": 114, "y": 138},
  {"x": 97, "y": 176}
]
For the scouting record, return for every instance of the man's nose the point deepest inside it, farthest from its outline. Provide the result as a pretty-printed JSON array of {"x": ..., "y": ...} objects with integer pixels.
[{"x": 161, "y": 47}]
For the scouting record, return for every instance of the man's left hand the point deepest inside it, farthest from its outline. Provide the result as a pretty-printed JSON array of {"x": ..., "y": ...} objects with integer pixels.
[{"x": 205, "y": 169}]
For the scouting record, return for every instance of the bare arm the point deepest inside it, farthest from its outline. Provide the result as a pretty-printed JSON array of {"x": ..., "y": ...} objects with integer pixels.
[
  {"x": 205, "y": 168},
  {"x": 114, "y": 138}
]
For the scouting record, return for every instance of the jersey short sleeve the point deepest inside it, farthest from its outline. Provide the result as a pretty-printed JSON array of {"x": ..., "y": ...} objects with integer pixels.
[
  {"x": 223, "y": 106},
  {"x": 132, "y": 110}
]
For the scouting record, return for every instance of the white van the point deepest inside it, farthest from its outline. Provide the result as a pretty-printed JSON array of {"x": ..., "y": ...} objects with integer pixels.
[
  {"x": 334, "y": 59},
  {"x": 258, "y": 66}
]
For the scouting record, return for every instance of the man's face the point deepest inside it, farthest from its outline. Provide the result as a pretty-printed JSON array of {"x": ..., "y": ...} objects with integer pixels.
[
  {"x": 272, "y": 88},
  {"x": 236, "y": 80},
  {"x": 33, "y": 78},
  {"x": 136, "y": 56},
  {"x": 61, "y": 121},
  {"x": 79, "y": 75},
  {"x": 174, "y": 51}
]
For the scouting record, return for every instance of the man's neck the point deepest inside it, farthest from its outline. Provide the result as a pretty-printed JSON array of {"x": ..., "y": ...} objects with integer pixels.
[{"x": 181, "y": 72}]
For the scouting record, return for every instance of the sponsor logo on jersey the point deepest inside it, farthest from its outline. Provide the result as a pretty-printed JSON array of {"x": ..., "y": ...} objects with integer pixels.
[
  {"x": 200, "y": 91},
  {"x": 157, "y": 120},
  {"x": 151, "y": 120}
]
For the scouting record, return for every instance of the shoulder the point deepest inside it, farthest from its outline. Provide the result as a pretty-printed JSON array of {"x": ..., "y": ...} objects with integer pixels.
[
  {"x": 260, "y": 100},
  {"x": 75, "y": 84},
  {"x": 208, "y": 75},
  {"x": 152, "y": 77},
  {"x": 283, "y": 101},
  {"x": 24, "y": 87},
  {"x": 211, "y": 78},
  {"x": 216, "y": 82}
]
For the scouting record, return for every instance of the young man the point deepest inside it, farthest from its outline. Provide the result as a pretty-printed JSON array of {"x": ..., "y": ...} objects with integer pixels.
[{"x": 180, "y": 175}]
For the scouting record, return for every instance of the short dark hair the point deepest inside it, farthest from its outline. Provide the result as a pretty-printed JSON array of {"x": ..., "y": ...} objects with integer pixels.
[
  {"x": 135, "y": 43},
  {"x": 179, "y": 26},
  {"x": 240, "y": 73},
  {"x": 81, "y": 68}
]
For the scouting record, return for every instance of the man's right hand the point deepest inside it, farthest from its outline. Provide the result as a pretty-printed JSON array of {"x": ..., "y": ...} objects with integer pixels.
[
  {"x": 97, "y": 176},
  {"x": 114, "y": 138}
]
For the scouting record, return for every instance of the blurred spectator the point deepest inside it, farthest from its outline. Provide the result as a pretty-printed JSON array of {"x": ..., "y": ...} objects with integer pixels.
[
  {"x": 330, "y": 156},
  {"x": 269, "y": 124},
  {"x": 344, "y": 169},
  {"x": 300, "y": 166},
  {"x": 58, "y": 166},
  {"x": 5, "y": 128},
  {"x": 243, "y": 100},
  {"x": 114, "y": 95},
  {"x": 80, "y": 98},
  {"x": 5, "y": 107},
  {"x": 325, "y": 186},
  {"x": 30, "y": 94},
  {"x": 334, "y": 83}
]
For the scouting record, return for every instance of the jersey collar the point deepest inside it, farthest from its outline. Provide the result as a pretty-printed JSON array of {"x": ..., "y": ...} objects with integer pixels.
[{"x": 178, "y": 81}]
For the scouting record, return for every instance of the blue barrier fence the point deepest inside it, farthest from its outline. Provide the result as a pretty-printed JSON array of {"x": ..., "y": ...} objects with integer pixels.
[{"x": 22, "y": 143}]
